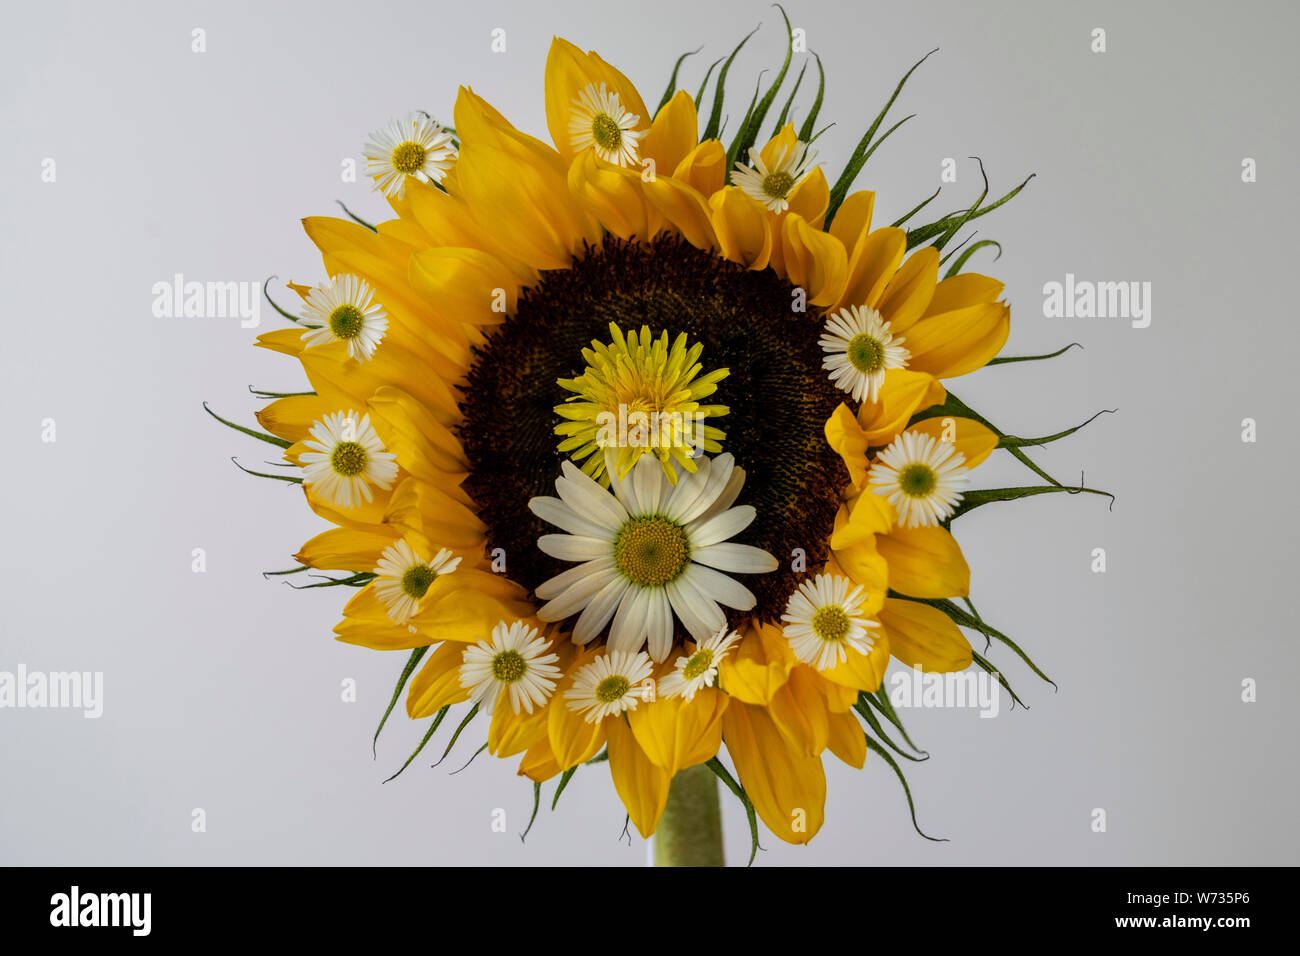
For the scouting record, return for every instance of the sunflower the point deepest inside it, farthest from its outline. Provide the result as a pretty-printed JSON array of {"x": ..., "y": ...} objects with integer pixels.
[{"x": 737, "y": 593}]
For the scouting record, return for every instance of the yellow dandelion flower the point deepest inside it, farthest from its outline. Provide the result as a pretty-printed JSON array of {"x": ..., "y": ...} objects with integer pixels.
[{"x": 640, "y": 395}]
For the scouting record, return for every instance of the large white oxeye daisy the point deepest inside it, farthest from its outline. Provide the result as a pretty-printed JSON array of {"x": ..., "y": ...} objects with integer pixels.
[
  {"x": 648, "y": 551},
  {"x": 699, "y": 668},
  {"x": 772, "y": 186},
  {"x": 612, "y": 683},
  {"x": 824, "y": 618},
  {"x": 343, "y": 310},
  {"x": 403, "y": 576},
  {"x": 598, "y": 119},
  {"x": 859, "y": 349},
  {"x": 514, "y": 661},
  {"x": 345, "y": 459},
  {"x": 415, "y": 146},
  {"x": 920, "y": 475}
]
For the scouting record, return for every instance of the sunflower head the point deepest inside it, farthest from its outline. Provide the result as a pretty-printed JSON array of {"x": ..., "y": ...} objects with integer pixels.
[{"x": 640, "y": 394}]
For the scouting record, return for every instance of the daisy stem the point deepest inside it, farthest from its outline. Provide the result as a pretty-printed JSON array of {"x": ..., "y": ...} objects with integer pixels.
[{"x": 690, "y": 831}]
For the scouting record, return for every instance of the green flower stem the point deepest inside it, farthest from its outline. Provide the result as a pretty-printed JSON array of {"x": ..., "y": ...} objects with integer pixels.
[{"x": 690, "y": 832}]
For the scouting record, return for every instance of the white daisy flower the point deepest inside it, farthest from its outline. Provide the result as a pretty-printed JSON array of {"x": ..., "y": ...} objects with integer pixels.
[
  {"x": 513, "y": 660},
  {"x": 346, "y": 458},
  {"x": 415, "y": 146},
  {"x": 343, "y": 310},
  {"x": 920, "y": 476},
  {"x": 823, "y": 618},
  {"x": 772, "y": 186},
  {"x": 648, "y": 551},
  {"x": 403, "y": 577},
  {"x": 700, "y": 669},
  {"x": 859, "y": 349},
  {"x": 598, "y": 119},
  {"x": 609, "y": 685}
]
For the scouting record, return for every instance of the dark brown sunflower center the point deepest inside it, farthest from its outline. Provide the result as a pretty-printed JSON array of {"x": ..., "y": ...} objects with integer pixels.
[{"x": 778, "y": 394}]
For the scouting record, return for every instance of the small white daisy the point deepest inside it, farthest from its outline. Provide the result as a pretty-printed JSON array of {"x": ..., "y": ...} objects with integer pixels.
[
  {"x": 772, "y": 186},
  {"x": 648, "y": 551},
  {"x": 513, "y": 660},
  {"x": 859, "y": 349},
  {"x": 700, "y": 669},
  {"x": 598, "y": 119},
  {"x": 609, "y": 685},
  {"x": 823, "y": 618},
  {"x": 920, "y": 475},
  {"x": 403, "y": 577},
  {"x": 346, "y": 458},
  {"x": 343, "y": 310},
  {"x": 415, "y": 146}
]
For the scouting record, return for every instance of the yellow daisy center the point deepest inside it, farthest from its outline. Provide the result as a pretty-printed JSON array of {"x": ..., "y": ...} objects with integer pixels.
[
  {"x": 348, "y": 458},
  {"x": 417, "y": 579},
  {"x": 651, "y": 551},
  {"x": 612, "y": 689},
  {"x": 346, "y": 321},
  {"x": 409, "y": 157},
  {"x": 778, "y": 184},
  {"x": 866, "y": 354},
  {"x": 917, "y": 480},
  {"x": 509, "y": 666},
  {"x": 831, "y": 623},
  {"x": 699, "y": 664},
  {"x": 606, "y": 132}
]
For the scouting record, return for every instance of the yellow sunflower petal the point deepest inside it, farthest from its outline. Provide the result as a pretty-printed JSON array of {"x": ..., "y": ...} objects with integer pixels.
[
  {"x": 345, "y": 549},
  {"x": 568, "y": 72},
  {"x": 853, "y": 219},
  {"x": 465, "y": 605},
  {"x": 903, "y": 394},
  {"x": 642, "y": 786},
  {"x": 925, "y": 562},
  {"x": 859, "y": 519},
  {"x": 862, "y": 671},
  {"x": 672, "y": 135},
  {"x": 676, "y": 733},
  {"x": 845, "y": 435},
  {"x": 924, "y": 637},
  {"x": 814, "y": 260},
  {"x": 911, "y": 290},
  {"x": 848, "y": 740},
  {"x": 960, "y": 291},
  {"x": 519, "y": 185},
  {"x": 425, "y": 447},
  {"x": 758, "y": 666},
  {"x": 465, "y": 285},
  {"x": 612, "y": 196},
  {"x": 539, "y": 764},
  {"x": 786, "y": 786},
  {"x": 742, "y": 227},
  {"x": 811, "y": 197},
  {"x": 684, "y": 208},
  {"x": 573, "y": 739},
  {"x": 512, "y": 733},
  {"x": 437, "y": 684},
  {"x": 863, "y": 565},
  {"x": 704, "y": 168},
  {"x": 973, "y": 439},
  {"x": 871, "y": 265},
  {"x": 798, "y": 708},
  {"x": 955, "y": 343},
  {"x": 291, "y": 418}
]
